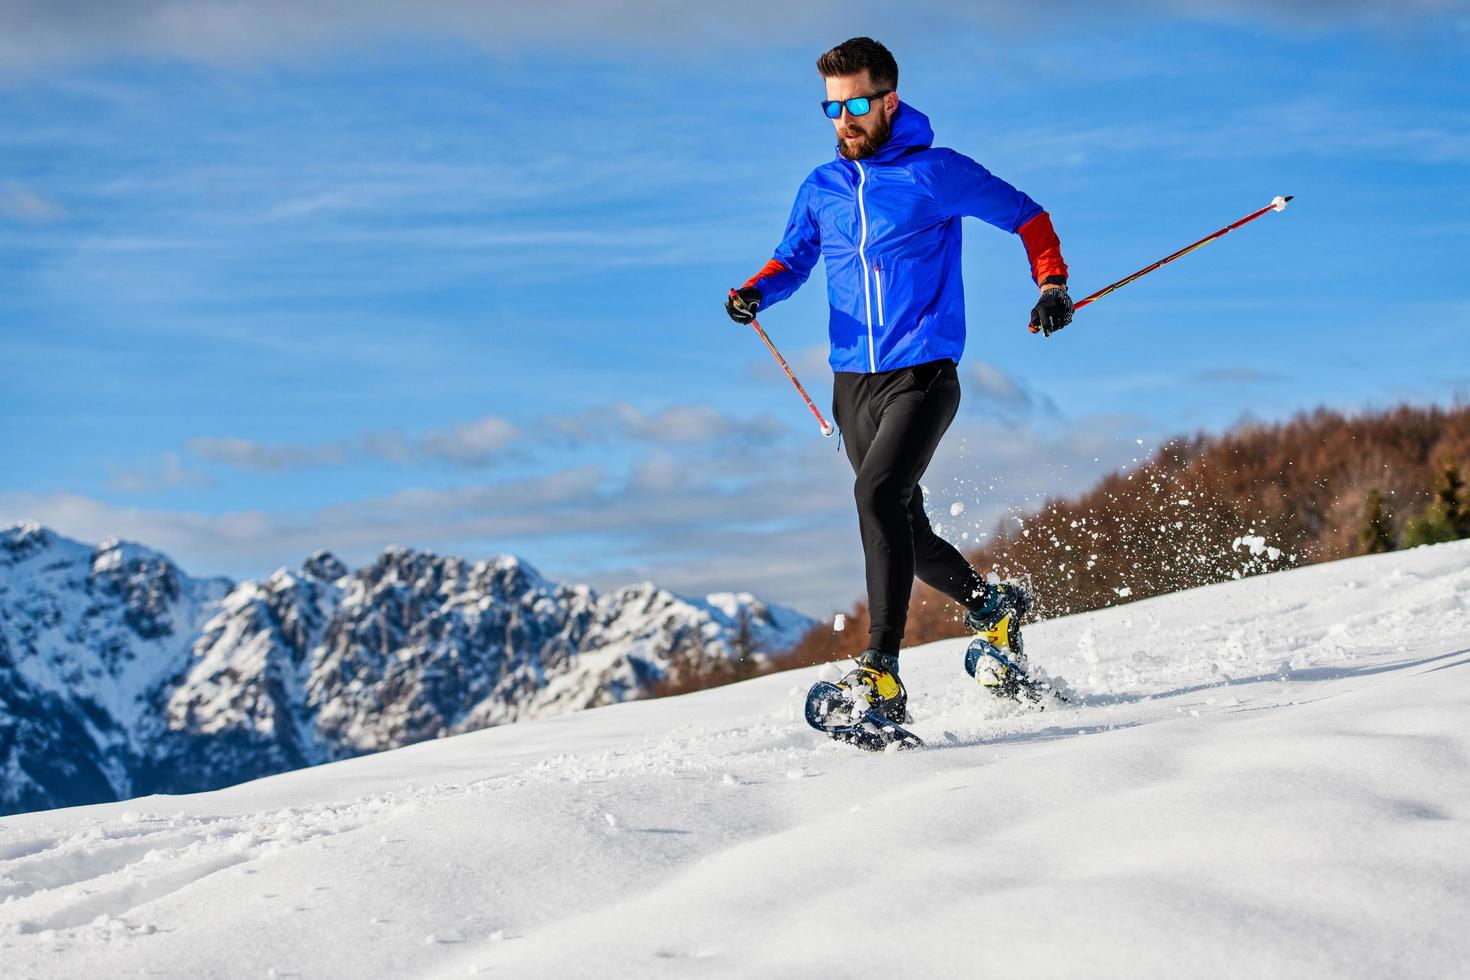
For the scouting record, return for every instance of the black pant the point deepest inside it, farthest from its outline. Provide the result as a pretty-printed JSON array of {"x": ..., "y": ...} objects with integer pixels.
[{"x": 892, "y": 422}]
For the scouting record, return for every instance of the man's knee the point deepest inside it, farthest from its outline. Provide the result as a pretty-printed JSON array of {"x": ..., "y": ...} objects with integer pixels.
[{"x": 883, "y": 495}]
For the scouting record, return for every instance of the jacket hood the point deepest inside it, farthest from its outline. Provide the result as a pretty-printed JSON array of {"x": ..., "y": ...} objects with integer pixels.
[{"x": 911, "y": 131}]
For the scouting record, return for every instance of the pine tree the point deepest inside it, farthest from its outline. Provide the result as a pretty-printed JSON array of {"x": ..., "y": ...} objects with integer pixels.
[
  {"x": 1450, "y": 494},
  {"x": 1446, "y": 517},
  {"x": 745, "y": 662},
  {"x": 1375, "y": 535}
]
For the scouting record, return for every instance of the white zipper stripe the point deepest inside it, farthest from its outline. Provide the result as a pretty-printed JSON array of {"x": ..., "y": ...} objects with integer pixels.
[
  {"x": 878, "y": 288},
  {"x": 863, "y": 257}
]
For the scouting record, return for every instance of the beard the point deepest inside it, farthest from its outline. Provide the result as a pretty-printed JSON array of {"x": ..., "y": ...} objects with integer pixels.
[{"x": 865, "y": 147}]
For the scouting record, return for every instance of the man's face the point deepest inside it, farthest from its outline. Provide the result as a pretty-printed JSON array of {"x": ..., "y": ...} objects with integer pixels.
[{"x": 859, "y": 137}]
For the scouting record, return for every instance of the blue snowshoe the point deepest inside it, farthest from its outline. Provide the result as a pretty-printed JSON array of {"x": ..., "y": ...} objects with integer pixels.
[
  {"x": 996, "y": 657},
  {"x": 866, "y": 707}
]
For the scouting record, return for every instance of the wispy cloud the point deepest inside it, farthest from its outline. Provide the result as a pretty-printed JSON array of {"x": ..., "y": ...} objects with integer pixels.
[
  {"x": 480, "y": 442},
  {"x": 685, "y": 423},
  {"x": 41, "y": 32},
  {"x": 168, "y": 473},
  {"x": 19, "y": 203},
  {"x": 1238, "y": 375},
  {"x": 266, "y": 457},
  {"x": 476, "y": 443},
  {"x": 998, "y": 389},
  {"x": 809, "y": 364},
  {"x": 1292, "y": 128},
  {"x": 775, "y": 519},
  {"x": 470, "y": 444}
]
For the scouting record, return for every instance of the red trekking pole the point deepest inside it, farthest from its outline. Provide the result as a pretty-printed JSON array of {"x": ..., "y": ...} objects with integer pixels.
[
  {"x": 1277, "y": 204},
  {"x": 827, "y": 428}
]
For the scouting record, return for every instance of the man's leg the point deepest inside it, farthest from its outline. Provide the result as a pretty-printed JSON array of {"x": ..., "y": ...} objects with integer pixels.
[
  {"x": 938, "y": 563},
  {"x": 913, "y": 409},
  {"x": 852, "y": 412}
]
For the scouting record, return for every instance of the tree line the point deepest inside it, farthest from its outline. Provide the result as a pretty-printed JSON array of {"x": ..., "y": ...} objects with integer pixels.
[{"x": 1202, "y": 509}]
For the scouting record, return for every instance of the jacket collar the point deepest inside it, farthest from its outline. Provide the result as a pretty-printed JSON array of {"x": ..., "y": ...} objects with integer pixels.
[{"x": 911, "y": 132}]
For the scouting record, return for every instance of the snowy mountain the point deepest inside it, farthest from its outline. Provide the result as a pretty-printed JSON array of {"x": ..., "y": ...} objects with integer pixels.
[
  {"x": 1263, "y": 778},
  {"x": 120, "y": 675}
]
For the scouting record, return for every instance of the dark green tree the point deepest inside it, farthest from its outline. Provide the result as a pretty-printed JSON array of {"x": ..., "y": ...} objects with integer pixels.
[
  {"x": 1376, "y": 535},
  {"x": 745, "y": 660},
  {"x": 1449, "y": 493},
  {"x": 1446, "y": 518}
]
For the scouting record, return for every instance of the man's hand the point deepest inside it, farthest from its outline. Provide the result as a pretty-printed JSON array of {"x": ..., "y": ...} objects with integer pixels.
[
  {"x": 1053, "y": 311},
  {"x": 743, "y": 304}
]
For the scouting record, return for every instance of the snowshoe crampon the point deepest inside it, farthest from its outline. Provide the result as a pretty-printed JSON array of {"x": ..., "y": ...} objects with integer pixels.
[
  {"x": 844, "y": 717},
  {"x": 996, "y": 658}
]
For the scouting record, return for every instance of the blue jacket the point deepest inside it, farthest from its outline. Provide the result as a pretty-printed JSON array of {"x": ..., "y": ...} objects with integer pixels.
[{"x": 889, "y": 230}]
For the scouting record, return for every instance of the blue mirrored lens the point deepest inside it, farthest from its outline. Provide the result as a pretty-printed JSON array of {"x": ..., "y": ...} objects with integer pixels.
[{"x": 856, "y": 107}]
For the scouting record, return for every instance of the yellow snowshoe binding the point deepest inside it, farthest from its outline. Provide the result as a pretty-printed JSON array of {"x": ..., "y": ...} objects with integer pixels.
[
  {"x": 874, "y": 682},
  {"x": 996, "y": 656}
]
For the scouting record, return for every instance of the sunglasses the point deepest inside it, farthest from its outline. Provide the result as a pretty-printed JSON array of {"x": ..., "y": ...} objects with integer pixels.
[{"x": 857, "y": 107}]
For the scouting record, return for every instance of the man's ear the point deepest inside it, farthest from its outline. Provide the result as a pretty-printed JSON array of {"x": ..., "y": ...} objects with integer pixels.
[{"x": 892, "y": 102}]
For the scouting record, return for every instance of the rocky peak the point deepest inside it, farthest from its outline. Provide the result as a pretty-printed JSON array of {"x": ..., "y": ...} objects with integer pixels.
[
  {"x": 325, "y": 566},
  {"x": 180, "y": 684},
  {"x": 23, "y": 540},
  {"x": 144, "y": 581}
]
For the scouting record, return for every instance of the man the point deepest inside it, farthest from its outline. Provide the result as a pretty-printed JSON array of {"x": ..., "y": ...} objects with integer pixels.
[{"x": 885, "y": 215}]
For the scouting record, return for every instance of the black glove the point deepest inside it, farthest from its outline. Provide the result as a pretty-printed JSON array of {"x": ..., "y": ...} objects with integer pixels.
[
  {"x": 1052, "y": 312},
  {"x": 743, "y": 304}
]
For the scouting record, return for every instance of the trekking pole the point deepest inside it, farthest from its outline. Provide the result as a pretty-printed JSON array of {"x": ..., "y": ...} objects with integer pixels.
[
  {"x": 827, "y": 428},
  {"x": 1277, "y": 204}
]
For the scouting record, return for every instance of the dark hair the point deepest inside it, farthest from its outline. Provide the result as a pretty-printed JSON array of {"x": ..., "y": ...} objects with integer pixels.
[{"x": 857, "y": 53}]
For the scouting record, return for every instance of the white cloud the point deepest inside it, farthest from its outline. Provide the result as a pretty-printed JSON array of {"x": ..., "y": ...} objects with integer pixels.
[
  {"x": 21, "y": 204},
  {"x": 996, "y": 384},
  {"x": 810, "y": 364},
  {"x": 476, "y": 443},
  {"x": 778, "y": 520},
  {"x": 682, "y": 423},
  {"x": 661, "y": 472},
  {"x": 168, "y": 473},
  {"x": 264, "y": 457},
  {"x": 1238, "y": 375},
  {"x": 999, "y": 388},
  {"x": 471, "y": 443},
  {"x": 1290, "y": 128},
  {"x": 35, "y": 33}
]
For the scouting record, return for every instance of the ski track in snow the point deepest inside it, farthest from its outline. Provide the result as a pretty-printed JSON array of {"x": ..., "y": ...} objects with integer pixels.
[{"x": 1268, "y": 775}]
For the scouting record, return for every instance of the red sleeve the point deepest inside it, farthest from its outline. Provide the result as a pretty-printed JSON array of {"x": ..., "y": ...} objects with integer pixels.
[
  {"x": 769, "y": 269},
  {"x": 1042, "y": 247}
]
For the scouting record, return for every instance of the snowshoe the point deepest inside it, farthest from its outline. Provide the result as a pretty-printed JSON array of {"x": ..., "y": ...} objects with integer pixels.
[
  {"x": 996, "y": 656},
  {"x": 866, "y": 708},
  {"x": 1004, "y": 674},
  {"x": 845, "y": 717},
  {"x": 875, "y": 680}
]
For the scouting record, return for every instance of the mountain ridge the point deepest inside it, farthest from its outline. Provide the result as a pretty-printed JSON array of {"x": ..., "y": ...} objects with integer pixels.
[{"x": 123, "y": 675}]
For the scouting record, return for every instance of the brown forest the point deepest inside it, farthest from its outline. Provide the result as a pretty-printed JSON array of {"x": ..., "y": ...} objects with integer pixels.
[{"x": 1321, "y": 486}]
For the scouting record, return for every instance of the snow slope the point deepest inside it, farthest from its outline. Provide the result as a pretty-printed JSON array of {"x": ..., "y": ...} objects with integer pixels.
[{"x": 1269, "y": 777}]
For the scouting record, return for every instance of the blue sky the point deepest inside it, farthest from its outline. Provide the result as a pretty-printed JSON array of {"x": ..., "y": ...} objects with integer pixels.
[{"x": 276, "y": 277}]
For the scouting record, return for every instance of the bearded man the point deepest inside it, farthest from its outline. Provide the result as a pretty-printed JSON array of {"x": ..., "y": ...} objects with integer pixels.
[{"x": 885, "y": 217}]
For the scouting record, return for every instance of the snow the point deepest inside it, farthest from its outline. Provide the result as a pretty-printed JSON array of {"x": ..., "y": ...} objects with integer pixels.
[
  {"x": 1267, "y": 777},
  {"x": 1256, "y": 545},
  {"x": 310, "y": 665}
]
